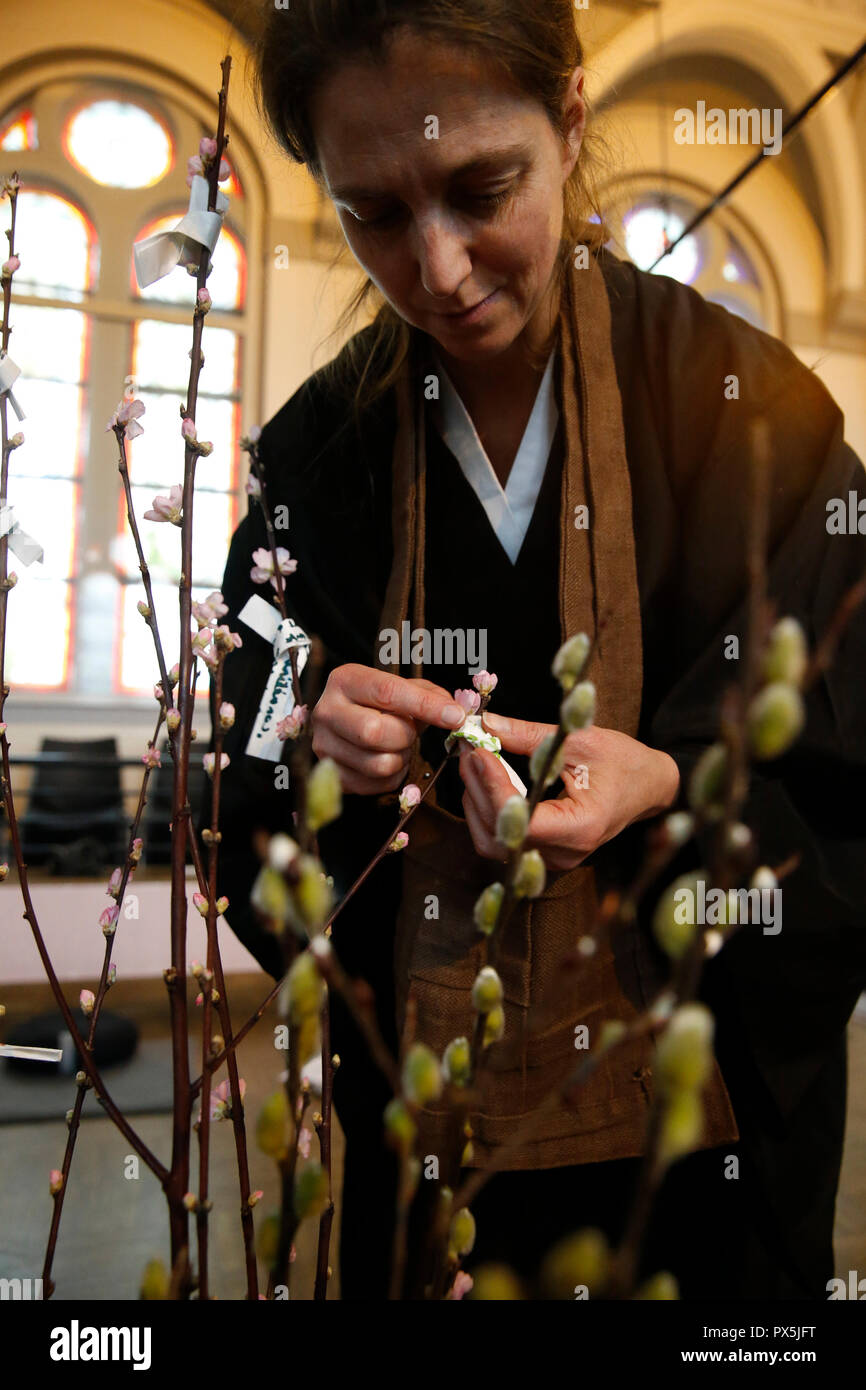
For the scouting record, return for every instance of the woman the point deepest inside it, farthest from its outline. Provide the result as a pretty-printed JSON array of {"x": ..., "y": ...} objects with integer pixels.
[{"x": 534, "y": 439}]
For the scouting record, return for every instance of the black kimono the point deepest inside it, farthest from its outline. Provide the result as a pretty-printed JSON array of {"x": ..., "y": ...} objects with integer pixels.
[{"x": 782, "y": 1001}]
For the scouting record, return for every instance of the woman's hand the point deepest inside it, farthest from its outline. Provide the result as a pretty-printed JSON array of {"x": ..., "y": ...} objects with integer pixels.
[
  {"x": 624, "y": 781},
  {"x": 368, "y": 721}
]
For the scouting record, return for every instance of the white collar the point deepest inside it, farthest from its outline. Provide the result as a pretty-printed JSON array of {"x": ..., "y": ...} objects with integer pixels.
[{"x": 508, "y": 509}]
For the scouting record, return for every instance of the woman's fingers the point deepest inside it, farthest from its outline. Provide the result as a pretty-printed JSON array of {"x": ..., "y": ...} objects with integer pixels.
[{"x": 370, "y": 763}]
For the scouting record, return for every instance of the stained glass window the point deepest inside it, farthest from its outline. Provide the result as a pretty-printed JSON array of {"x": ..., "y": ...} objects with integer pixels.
[
  {"x": 20, "y": 133},
  {"x": 59, "y": 254}
]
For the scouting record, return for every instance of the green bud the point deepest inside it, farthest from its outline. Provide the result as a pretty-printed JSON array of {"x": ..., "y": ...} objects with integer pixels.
[
  {"x": 495, "y": 1283},
  {"x": 486, "y": 910},
  {"x": 494, "y": 1026},
  {"x": 306, "y": 988},
  {"x": 324, "y": 795},
  {"x": 671, "y": 926},
  {"x": 610, "y": 1033},
  {"x": 487, "y": 990},
  {"x": 539, "y": 758},
  {"x": 468, "y": 1154},
  {"x": 461, "y": 1237},
  {"x": 455, "y": 1062},
  {"x": 682, "y": 1124},
  {"x": 776, "y": 718},
  {"x": 154, "y": 1281},
  {"x": 400, "y": 1128},
  {"x": 684, "y": 1056},
  {"x": 272, "y": 1126},
  {"x": 268, "y": 1239},
  {"x": 583, "y": 1258},
  {"x": 787, "y": 654},
  {"x": 312, "y": 1191},
  {"x": 313, "y": 895},
  {"x": 570, "y": 660},
  {"x": 422, "y": 1076},
  {"x": 271, "y": 896},
  {"x": 531, "y": 875},
  {"x": 413, "y": 1174},
  {"x": 513, "y": 822},
  {"x": 707, "y": 783},
  {"x": 661, "y": 1287},
  {"x": 578, "y": 707}
]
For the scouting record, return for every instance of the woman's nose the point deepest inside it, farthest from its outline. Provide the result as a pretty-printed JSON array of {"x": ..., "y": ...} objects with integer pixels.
[{"x": 443, "y": 258}]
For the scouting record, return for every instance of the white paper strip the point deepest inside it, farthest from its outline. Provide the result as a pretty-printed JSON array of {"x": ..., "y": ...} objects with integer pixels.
[
  {"x": 157, "y": 255},
  {"x": 23, "y": 546},
  {"x": 278, "y": 700},
  {"x": 473, "y": 732},
  {"x": 31, "y": 1054},
  {"x": 9, "y": 374}
]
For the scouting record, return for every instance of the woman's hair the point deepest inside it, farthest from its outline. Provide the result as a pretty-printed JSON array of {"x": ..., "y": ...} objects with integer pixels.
[{"x": 535, "y": 42}]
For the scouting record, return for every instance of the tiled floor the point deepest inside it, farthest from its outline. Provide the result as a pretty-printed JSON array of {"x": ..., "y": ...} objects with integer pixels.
[{"x": 113, "y": 1225}]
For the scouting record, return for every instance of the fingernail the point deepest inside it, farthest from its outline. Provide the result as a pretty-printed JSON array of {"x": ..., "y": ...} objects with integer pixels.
[{"x": 453, "y": 716}]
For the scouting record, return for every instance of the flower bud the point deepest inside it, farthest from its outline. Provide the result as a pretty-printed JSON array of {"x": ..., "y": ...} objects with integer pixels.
[
  {"x": 531, "y": 875},
  {"x": 610, "y": 1033},
  {"x": 787, "y": 655},
  {"x": 486, "y": 910},
  {"x": 494, "y": 1026},
  {"x": 154, "y": 1282},
  {"x": 678, "y": 828},
  {"x": 55, "y": 1181},
  {"x": 399, "y": 842},
  {"x": 324, "y": 795},
  {"x": 305, "y": 988},
  {"x": 682, "y": 1124},
  {"x": 4, "y": 872},
  {"x": 313, "y": 895},
  {"x": 578, "y": 707},
  {"x": 282, "y": 850},
  {"x": 312, "y": 1191},
  {"x": 422, "y": 1076},
  {"x": 87, "y": 1001},
  {"x": 684, "y": 1055},
  {"x": 255, "y": 1198},
  {"x": 570, "y": 660},
  {"x": 455, "y": 1062},
  {"x": 226, "y": 715},
  {"x": 200, "y": 903},
  {"x": 400, "y": 1128},
  {"x": 706, "y": 791},
  {"x": 268, "y": 1239},
  {"x": 776, "y": 718},
  {"x": 661, "y": 1287},
  {"x": 764, "y": 878},
  {"x": 222, "y": 906},
  {"x": 410, "y": 796},
  {"x": 485, "y": 682},
  {"x": 496, "y": 1283},
  {"x": 190, "y": 1201},
  {"x": 513, "y": 822},
  {"x": 461, "y": 1236},
  {"x": 172, "y": 721},
  {"x": 487, "y": 990},
  {"x": 539, "y": 758},
  {"x": 272, "y": 1125},
  {"x": 582, "y": 1258},
  {"x": 270, "y": 896},
  {"x": 674, "y": 927},
  {"x": 16, "y": 440}
]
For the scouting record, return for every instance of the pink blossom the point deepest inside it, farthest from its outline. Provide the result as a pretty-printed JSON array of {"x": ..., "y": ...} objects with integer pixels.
[
  {"x": 9, "y": 267},
  {"x": 194, "y": 165},
  {"x": 209, "y": 762},
  {"x": 263, "y": 565},
  {"x": 200, "y": 902},
  {"x": 127, "y": 414},
  {"x": 152, "y": 758},
  {"x": 254, "y": 1198},
  {"x": 207, "y": 613},
  {"x": 108, "y": 919},
  {"x": 225, "y": 171},
  {"x": 172, "y": 721},
  {"x": 399, "y": 842},
  {"x": 226, "y": 715},
  {"x": 187, "y": 428},
  {"x": 469, "y": 700},
  {"x": 55, "y": 1180},
  {"x": 137, "y": 847},
  {"x": 167, "y": 508},
  {"x": 225, "y": 640},
  {"x": 221, "y": 1099},
  {"x": 203, "y": 301},
  {"x": 114, "y": 883},
  {"x": 249, "y": 441},
  {"x": 87, "y": 999},
  {"x": 207, "y": 147},
  {"x": 202, "y": 639},
  {"x": 485, "y": 682},
  {"x": 305, "y": 1138},
  {"x": 254, "y": 488},
  {"x": 409, "y": 796},
  {"x": 292, "y": 726},
  {"x": 210, "y": 657},
  {"x": 462, "y": 1284}
]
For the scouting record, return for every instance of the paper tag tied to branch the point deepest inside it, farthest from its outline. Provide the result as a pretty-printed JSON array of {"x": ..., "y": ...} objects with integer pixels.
[
  {"x": 278, "y": 700},
  {"x": 9, "y": 374},
  {"x": 20, "y": 543},
  {"x": 155, "y": 256}
]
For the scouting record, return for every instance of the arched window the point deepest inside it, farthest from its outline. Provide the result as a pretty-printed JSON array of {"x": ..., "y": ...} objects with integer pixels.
[
  {"x": 713, "y": 259},
  {"x": 108, "y": 168}
]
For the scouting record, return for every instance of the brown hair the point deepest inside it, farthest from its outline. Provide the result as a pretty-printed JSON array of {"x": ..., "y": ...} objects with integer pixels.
[{"x": 536, "y": 44}]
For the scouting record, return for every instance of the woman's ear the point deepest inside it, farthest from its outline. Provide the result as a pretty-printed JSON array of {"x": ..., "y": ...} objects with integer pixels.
[{"x": 574, "y": 116}]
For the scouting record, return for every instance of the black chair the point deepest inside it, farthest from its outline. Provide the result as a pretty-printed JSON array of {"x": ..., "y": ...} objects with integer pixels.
[
  {"x": 75, "y": 822},
  {"x": 160, "y": 802}
]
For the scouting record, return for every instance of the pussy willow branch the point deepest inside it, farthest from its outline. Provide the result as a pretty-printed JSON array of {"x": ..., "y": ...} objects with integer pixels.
[
  {"x": 102, "y": 990},
  {"x": 5, "y": 331}
]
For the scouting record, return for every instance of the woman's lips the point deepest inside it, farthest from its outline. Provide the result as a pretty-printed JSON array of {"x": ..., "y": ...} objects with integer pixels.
[{"x": 476, "y": 312}]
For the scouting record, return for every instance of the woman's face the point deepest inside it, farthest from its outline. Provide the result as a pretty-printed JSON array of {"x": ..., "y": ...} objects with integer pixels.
[{"x": 468, "y": 221}]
